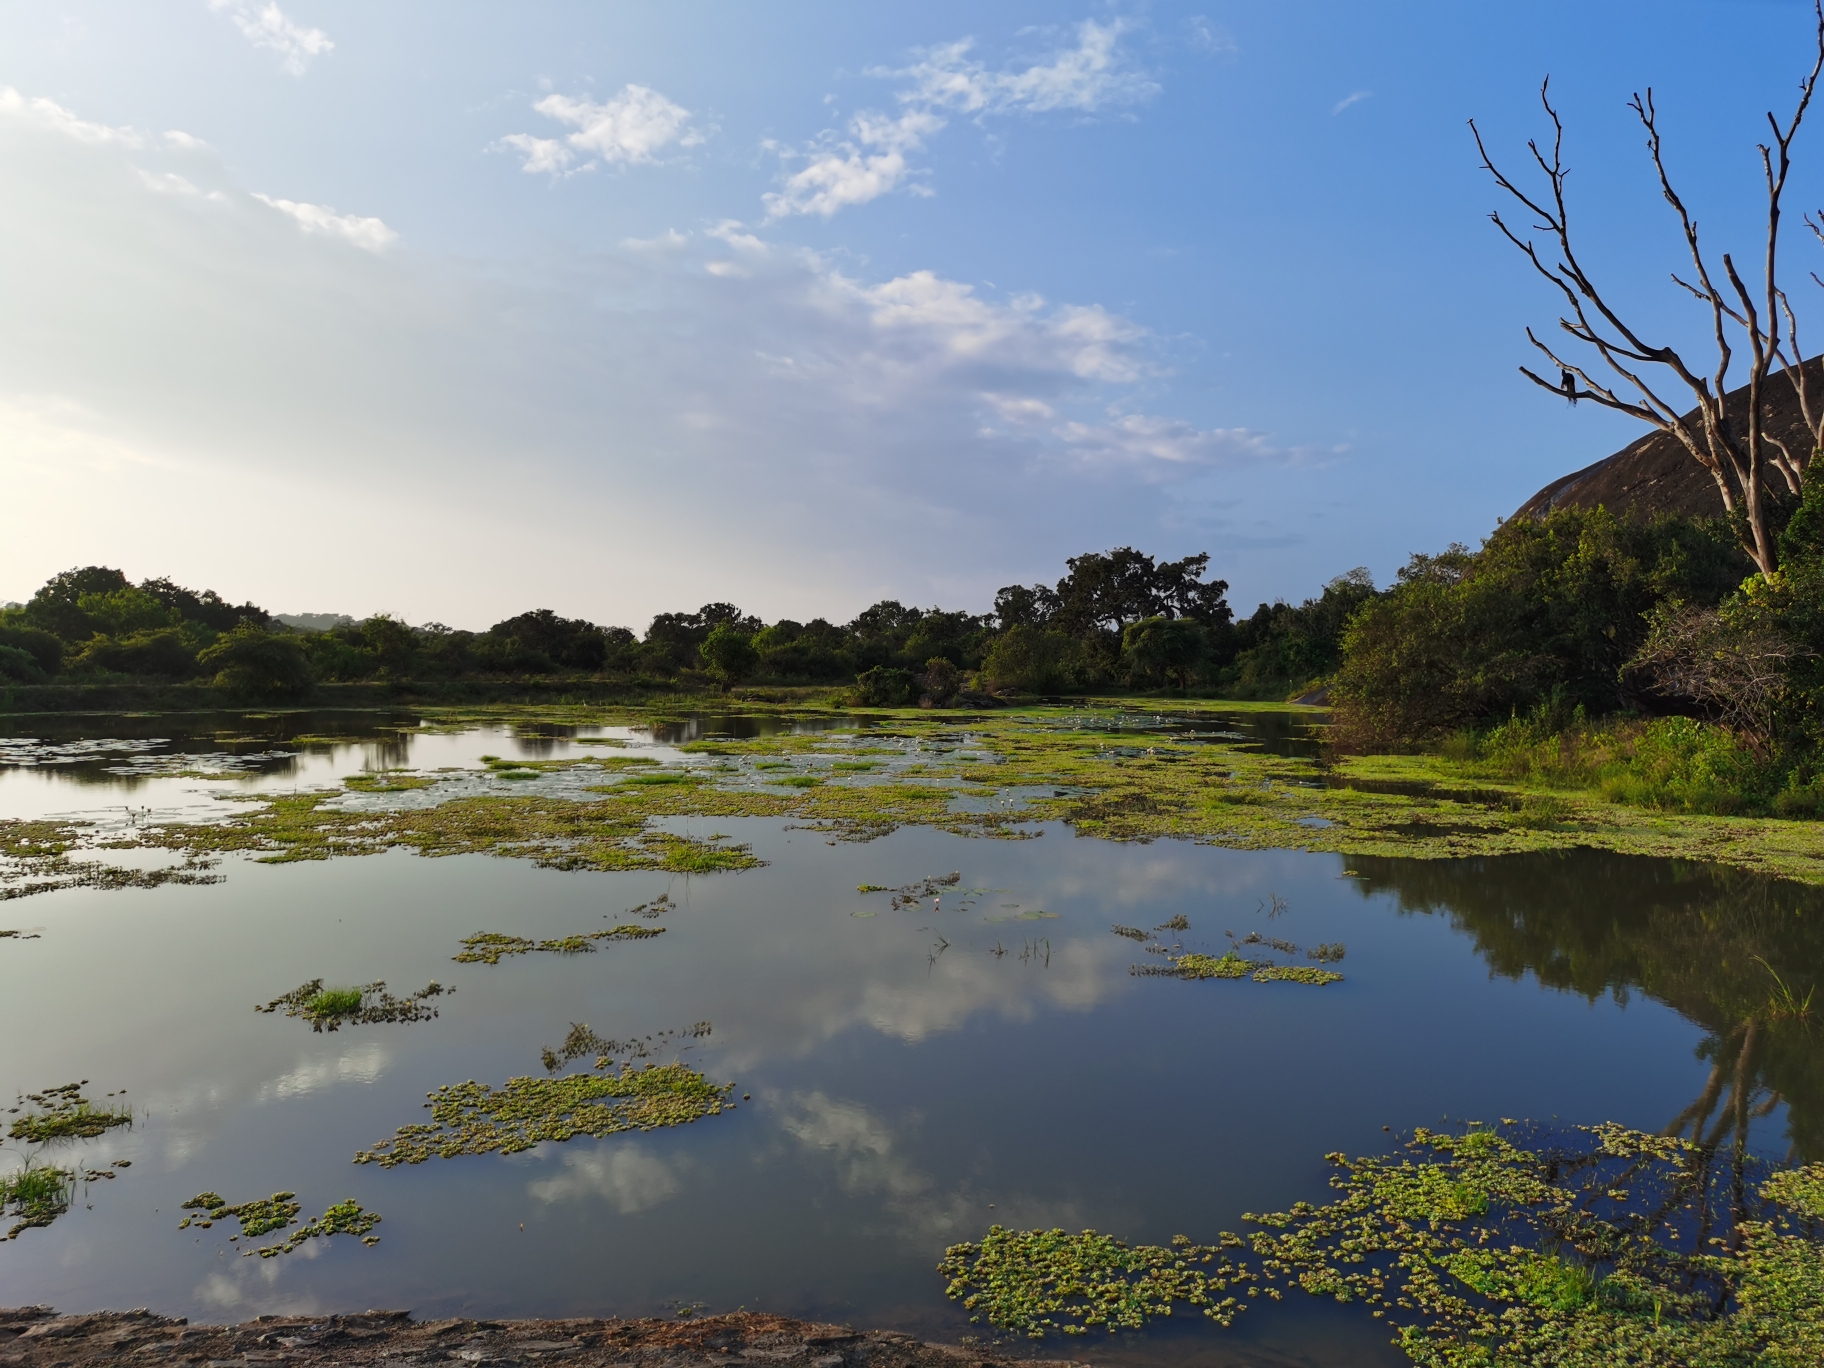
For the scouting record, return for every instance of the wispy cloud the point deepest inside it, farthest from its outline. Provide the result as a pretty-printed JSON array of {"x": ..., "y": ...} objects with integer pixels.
[
  {"x": 50, "y": 115},
  {"x": 871, "y": 157},
  {"x": 1094, "y": 75},
  {"x": 1352, "y": 99},
  {"x": 265, "y": 26},
  {"x": 369, "y": 234},
  {"x": 629, "y": 128}
]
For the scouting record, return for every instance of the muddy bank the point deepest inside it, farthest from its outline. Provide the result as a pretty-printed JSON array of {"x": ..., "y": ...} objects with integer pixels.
[{"x": 37, "y": 1337}]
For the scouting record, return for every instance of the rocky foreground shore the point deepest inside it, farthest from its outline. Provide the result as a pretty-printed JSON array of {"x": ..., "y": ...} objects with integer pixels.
[{"x": 37, "y": 1337}]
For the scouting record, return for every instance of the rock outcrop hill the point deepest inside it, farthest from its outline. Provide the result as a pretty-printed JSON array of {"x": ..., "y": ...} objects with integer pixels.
[{"x": 1655, "y": 474}]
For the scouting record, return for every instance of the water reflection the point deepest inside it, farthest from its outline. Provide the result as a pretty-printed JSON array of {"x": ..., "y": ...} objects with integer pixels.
[{"x": 1738, "y": 954}]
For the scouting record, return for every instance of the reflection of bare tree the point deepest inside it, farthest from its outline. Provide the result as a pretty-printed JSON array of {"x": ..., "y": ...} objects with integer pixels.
[{"x": 1749, "y": 1098}]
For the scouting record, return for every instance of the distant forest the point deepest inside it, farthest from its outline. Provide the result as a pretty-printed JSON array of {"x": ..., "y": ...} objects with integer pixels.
[{"x": 1115, "y": 620}]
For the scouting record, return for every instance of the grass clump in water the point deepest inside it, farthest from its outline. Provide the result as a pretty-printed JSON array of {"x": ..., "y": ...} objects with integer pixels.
[
  {"x": 327, "y": 1009},
  {"x": 35, "y": 1196},
  {"x": 67, "y": 1115},
  {"x": 473, "y": 1118},
  {"x": 280, "y": 1211},
  {"x": 490, "y": 947}
]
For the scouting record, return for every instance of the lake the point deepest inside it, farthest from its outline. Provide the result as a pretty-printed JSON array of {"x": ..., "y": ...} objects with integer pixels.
[{"x": 909, "y": 1069}]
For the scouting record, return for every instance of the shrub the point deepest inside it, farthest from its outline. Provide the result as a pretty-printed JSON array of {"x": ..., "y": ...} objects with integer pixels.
[
  {"x": 885, "y": 686},
  {"x": 1162, "y": 650},
  {"x": 728, "y": 654},
  {"x": 42, "y": 648},
  {"x": 163, "y": 653},
  {"x": 19, "y": 666},
  {"x": 941, "y": 680},
  {"x": 259, "y": 664}
]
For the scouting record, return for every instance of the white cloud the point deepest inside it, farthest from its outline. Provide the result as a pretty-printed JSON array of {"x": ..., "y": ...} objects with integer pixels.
[
  {"x": 1091, "y": 76},
  {"x": 369, "y": 234},
  {"x": 874, "y": 158},
  {"x": 265, "y": 26},
  {"x": 1169, "y": 444},
  {"x": 541, "y": 154},
  {"x": 630, "y": 128},
  {"x": 167, "y": 183},
  {"x": 48, "y": 114},
  {"x": 625, "y": 1175},
  {"x": 868, "y": 164},
  {"x": 1208, "y": 36},
  {"x": 1353, "y": 99}
]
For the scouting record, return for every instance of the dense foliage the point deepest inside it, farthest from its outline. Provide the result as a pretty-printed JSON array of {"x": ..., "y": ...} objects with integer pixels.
[{"x": 1122, "y": 618}]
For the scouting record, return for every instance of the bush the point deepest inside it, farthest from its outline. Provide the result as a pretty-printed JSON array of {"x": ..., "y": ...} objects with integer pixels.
[
  {"x": 941, "y": 680},
  {"x": 258, "y": 664},
  {"x": 19, "y": 666},
  {"x": 163, "y": 653},
  {"x": 1037, "y": 660},
  {"x": 885, "y": 686},
  {"x": 41, "y": 647},
  {"x": 1547, "y": 609}
]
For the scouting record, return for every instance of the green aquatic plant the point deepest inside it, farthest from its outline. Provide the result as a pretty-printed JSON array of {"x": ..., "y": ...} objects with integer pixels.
[
  {"x": 280, "y": 1211},
  {"x": 35, "y": 1196},
  {"x": 490, "y": 947},
  {"x": 327, "y": 1009},
  {"x": 1229, "y": 966},
  {"x": 67, "y": 1115},
  {"x": 582, "y": 1041},
  {"x": 387, "y": 781},
  {"x": 1132, "y": 933},
  {"x": 1035, "y": 1281},
  {"x": 1494, "y": 1247},
  {"x": 1331, "y": 952},
  {"x": 1295, "y": 973},
  {"x": 473, "y": 1118}
]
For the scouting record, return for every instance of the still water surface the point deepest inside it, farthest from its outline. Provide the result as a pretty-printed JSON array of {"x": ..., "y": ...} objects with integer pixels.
[{"x": 916, "y": 1074}]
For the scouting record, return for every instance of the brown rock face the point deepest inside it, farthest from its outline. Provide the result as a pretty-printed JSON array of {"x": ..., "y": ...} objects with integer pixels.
[{"x": 1656, "y": 475}]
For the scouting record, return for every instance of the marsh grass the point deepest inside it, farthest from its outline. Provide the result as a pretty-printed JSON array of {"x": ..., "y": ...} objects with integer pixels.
[
  {"x": 329, "y": 1009},
  {"x": 490, "y": 947},
  {"x": 35, "y": 1196},
  {"x": 67, "y": 1115}
]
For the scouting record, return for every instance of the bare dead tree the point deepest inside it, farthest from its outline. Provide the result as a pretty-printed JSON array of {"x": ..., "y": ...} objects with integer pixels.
[{"x": 1737, "y": 460}]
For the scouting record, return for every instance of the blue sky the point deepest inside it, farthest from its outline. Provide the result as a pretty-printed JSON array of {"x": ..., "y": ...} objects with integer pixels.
[{"x": 454, "y": 309}]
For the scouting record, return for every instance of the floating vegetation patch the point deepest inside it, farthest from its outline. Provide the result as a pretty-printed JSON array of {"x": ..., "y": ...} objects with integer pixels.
[
  {"x": 1036, "y": 1281},
  {"x": 582, "y": 1041},
  {"x": 1132, "y": 933},
  {"x": 34, "y": 1196},
  {"x": 473, "y": 1118},
  {"x": 1229, "y": 966},
  {"x": 1177, "y": 923},
  {"x": 66, "y": 1115},
  {"x": 1513, "y": 1245},
  {"x": 326, "y": 1009},
  {"x": 388, "y": 781},
  {"x": 280, "y": 1211},
  {"x": 18, "y": 933},
  {"x": 911, "y": 894},
  {"x": 1233, "y": 966},
  {"x": 1296, "y": 973},
  {"x": 1331, "y": 952},
  {"x": 1285, "y": 947},
  {"x": 490, "y": 947},
  {"x": 658, "y": 907}
]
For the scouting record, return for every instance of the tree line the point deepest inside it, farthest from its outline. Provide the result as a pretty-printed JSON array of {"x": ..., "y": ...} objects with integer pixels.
[{"x": 1116, "y": 619}]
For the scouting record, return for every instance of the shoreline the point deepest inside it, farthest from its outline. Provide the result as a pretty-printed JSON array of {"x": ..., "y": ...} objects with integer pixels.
[{"x": 38, "y": 1337}]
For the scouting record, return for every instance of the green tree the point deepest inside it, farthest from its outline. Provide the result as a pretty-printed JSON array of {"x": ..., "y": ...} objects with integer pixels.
[
  {"x": 1038, "y": 660},
  {"x": 1162, "y": 648},
  {"x": 885, "y": 686},
  {"x": 728, "y": 654}
]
